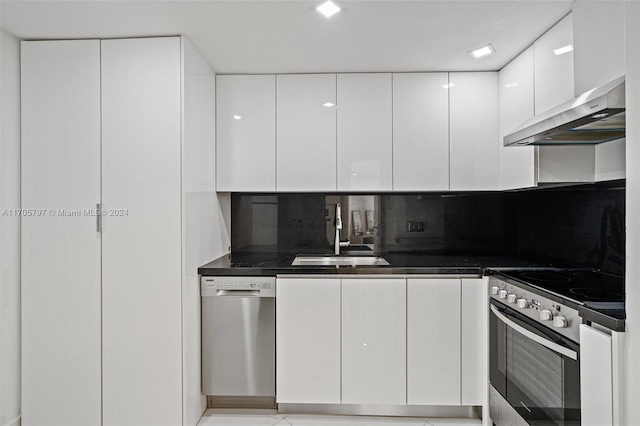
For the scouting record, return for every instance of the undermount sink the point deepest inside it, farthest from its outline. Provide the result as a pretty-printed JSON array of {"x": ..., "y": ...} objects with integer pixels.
[{"x": 339, "y": 261}]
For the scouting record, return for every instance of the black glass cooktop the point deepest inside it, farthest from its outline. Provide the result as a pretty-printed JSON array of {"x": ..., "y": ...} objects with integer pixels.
[{"x": 591, "y": 288}]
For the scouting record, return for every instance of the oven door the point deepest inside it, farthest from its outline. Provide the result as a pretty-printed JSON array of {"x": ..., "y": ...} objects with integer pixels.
[{"x": 534, "y": 368}]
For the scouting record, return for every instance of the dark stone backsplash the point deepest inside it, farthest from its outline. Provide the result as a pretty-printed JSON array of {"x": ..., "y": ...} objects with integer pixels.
[
  {"x": 578, "y": 225},
  {"x": 583, "y": 226}
]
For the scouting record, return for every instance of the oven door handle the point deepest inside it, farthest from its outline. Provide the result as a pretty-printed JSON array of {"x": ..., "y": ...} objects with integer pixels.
[{"x": 544, "y": 342}]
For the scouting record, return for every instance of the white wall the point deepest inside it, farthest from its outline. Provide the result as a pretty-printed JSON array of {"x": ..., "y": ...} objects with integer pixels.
[
  {"x": 10, "y": 232},
  {"x": 632, "y": 34},
  {"x": 206, "y": 233}
]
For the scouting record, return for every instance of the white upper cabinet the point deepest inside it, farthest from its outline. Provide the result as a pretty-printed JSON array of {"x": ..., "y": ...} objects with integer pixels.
[
  {"x": 598, "y": 35},
  {"x": 473, "y": 115},
  {"x": 374, "y": 352},
  {"x": 420, "y": 132},
  {"x": 553, "y": 54},
  {"x": 306, "y": 132},
  {"x": 516, "y": 98},
  {"x": 364, "y": 132},
  {"x": 246, "y": 133}
]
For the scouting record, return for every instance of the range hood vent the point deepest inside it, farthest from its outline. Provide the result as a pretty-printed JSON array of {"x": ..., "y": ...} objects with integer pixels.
[{"x": 594, "y": 117}]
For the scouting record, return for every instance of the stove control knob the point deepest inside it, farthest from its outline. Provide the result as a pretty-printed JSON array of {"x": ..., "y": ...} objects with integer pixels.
[
  {"x": 546, "y": 315},
  {"x": 522, "y": 303},
  {"x": 559, "y": 321},
  {"x": 502, "y": 294},
  {"x": 495, "y": 289},
  {"x": 512, "y": 298}
]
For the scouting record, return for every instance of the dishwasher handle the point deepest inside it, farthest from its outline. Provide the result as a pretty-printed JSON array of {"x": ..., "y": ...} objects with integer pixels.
[{"x": 238, "y": 293}]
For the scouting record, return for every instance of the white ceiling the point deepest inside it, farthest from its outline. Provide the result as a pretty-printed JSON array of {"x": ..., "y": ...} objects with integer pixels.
[{"x": 291, "y": 37}]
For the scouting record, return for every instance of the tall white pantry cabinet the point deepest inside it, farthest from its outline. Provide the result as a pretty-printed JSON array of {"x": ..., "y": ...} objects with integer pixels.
[{"x": 104, "y": 302}]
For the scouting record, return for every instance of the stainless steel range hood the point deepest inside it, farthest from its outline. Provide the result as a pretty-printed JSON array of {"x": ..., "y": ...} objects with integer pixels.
[{"x": 594, "y": 117}]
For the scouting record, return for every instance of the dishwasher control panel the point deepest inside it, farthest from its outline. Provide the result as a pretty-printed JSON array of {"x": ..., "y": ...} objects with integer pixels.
[{"x": 238, "y": 286}]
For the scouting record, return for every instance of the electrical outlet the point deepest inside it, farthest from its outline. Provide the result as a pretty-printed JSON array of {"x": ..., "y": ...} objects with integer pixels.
[{"x": 415, "y": 226}]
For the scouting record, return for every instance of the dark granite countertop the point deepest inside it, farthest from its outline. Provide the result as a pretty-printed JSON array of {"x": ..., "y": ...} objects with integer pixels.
[
  {"x": 275, "y": 263},
  {"x": 272, "y": 264}
]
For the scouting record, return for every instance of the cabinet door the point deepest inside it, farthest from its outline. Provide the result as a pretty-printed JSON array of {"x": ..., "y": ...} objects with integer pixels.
[
  {"x": 246, "y": 133},
  {"x": 374, "y": 326},
  {"x": 598, "y": 36},
  {"x": 517, "y": 164},
  {"x": 308, "y": 341},
  {"x": 141, "y": 263},
  {"x": 554, "y": 67},
  {"x": 473, "y": 106},
  {"x": 420, "y": 132},
  {"x": 60, "y": 250},
  {"x": 433, "y": 341},
  {"x": 474, "y": 334},
  {"x": 306, "y": 129},
  {"x": 596, "y": 379},
  {"x": 364, "y": 132}
]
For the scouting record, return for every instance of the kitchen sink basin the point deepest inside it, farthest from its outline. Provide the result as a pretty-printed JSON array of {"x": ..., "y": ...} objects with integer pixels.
[{"x": 339, "y": 261}]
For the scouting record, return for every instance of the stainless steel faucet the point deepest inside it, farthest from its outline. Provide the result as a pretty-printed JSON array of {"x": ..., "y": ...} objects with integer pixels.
[{"x": 337, "y": 243}]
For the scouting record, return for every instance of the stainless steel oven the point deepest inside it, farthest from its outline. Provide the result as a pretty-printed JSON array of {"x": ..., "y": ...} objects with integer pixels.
[{"x": 534, "y": 358}]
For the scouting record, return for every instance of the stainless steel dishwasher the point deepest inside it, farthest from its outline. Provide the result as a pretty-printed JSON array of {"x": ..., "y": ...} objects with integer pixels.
[{"x": 238, "y": 340}]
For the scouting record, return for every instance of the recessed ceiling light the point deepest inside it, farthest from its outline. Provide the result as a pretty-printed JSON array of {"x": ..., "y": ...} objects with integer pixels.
[
  {"x": 327, "y": 104},
  {"x": 564, "y": 49},
  {"x": 482, "y": 51},
  {"x": 328, "y": 9},
  {"x": 237, "y": 117},
  {"x": 448, "y": 85},
  {"x": 511, "y": 85}
]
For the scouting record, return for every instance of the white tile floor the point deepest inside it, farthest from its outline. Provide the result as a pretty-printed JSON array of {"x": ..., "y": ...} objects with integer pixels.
[{"x": 239, "y": 417}]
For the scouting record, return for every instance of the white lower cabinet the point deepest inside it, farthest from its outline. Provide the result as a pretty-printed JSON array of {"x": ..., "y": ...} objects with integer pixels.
[
  {"x": 445, "y": 341},
  {"x": 600, "y": 363},
  {"x": 386, "y": 341},
  {"x": 474, "y": 314},
  {"x": 308, "y": 340},
  {"x": 374, "y": 341},
  {"x": 433, "y": 341}
]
